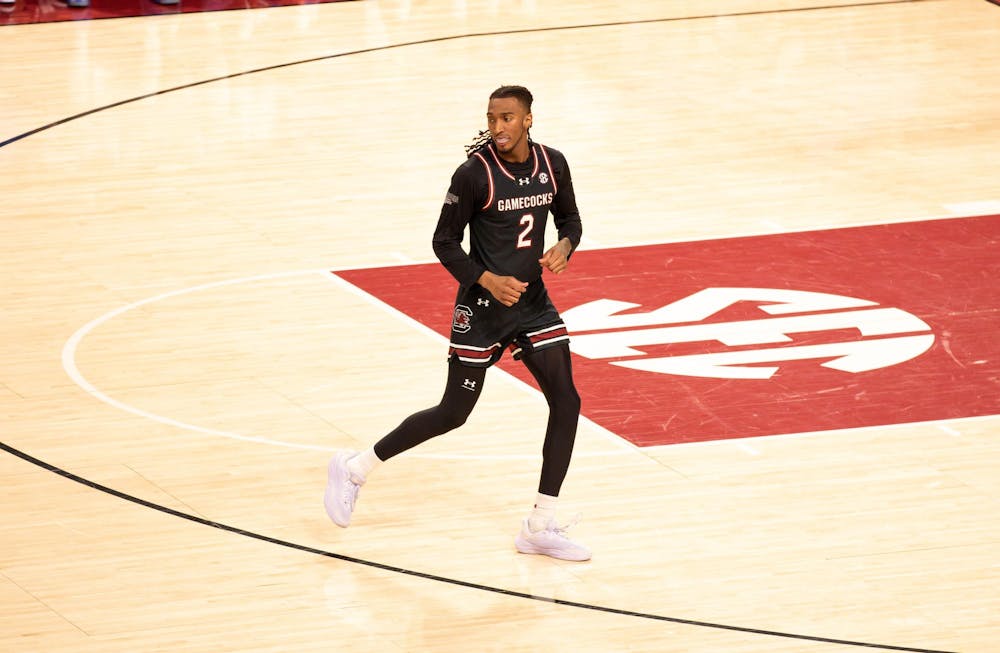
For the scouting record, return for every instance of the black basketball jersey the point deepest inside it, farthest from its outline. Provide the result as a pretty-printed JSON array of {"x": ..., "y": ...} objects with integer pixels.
[
  {"x": 506, "y": 206},
  {"x": 507, "y": 234}
]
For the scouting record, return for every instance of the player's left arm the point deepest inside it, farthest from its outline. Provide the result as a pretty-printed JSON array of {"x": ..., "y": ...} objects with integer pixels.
[{"x": 566, "y": 217}]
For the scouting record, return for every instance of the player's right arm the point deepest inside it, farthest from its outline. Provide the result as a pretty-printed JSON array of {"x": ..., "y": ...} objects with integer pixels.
[
  {"x": 460, "y": 204},
  {"x": 467, "y": 192}
]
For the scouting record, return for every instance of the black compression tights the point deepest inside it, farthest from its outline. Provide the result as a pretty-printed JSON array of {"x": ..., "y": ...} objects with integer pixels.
[{"x": 553, "y": 372}]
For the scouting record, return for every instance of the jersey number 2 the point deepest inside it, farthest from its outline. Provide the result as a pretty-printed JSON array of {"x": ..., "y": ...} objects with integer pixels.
[{"x": 528, "y": 221}]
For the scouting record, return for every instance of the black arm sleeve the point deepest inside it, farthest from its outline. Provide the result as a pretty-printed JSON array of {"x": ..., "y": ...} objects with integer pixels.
[
  {"x": 564, "y": 211},
  {"x": 460, "y": 204}
]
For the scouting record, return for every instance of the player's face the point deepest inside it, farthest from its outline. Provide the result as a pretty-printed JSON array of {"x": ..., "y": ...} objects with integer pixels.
[{"x": 509, "y": 121}]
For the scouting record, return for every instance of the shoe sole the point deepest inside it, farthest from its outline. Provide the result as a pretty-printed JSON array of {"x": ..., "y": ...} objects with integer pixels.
[{"x": 531, "y": 549}]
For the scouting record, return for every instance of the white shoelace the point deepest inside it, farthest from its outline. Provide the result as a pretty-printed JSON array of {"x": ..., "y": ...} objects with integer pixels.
[
  {"x": 562, "y": 530},
  {"x": 351, "y": 491}
]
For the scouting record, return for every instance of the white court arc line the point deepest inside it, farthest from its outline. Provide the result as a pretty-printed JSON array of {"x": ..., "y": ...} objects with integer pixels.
[
  {"x": 72, "y": 345},
  {"x": 73, "y": 370}
]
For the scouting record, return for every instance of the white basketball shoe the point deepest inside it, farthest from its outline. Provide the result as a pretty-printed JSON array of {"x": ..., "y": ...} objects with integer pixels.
[
  {"x": 341, "y": 489},
  {"x": 551, "y": 542}
]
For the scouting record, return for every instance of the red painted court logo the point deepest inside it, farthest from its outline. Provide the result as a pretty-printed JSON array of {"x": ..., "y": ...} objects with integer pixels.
[
  {"x": 787, "y": 333},
  {"x": 602, "y": 330}
]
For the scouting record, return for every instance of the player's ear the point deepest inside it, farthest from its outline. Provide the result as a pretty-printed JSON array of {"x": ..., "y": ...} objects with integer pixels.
[{"x": 527, "y": 121}]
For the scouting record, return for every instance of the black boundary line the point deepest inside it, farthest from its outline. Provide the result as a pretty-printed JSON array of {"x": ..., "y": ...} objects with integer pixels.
[
  {"x": 455, "y": 37},
  {"x": 441, "y": 579},
  {"x": 409, "y": 572}
]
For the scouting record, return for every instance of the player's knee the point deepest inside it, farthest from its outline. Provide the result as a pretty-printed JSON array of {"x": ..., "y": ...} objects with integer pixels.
[
  {"x": 454, "y": 420},
  {"x": 567, "y": 404},
  {"x": 572, "y": 398},
  {"x": 450, "y": 416}
]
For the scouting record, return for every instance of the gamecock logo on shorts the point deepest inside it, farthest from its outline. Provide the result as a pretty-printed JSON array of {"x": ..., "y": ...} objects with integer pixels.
[{"x": 462, "y": 321}]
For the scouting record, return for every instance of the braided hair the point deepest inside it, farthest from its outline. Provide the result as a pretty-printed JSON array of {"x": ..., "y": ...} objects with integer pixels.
[{"x": 481, "y": 140}]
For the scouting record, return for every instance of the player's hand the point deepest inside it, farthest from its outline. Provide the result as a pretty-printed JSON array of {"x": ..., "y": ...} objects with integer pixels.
[
  {"x": 506, "y": 290},
  {"x": 557, "y": 258}
]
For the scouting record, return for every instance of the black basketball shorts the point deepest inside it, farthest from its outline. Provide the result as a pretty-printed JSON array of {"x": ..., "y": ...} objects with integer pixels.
[{"x": 482, "y": 327}]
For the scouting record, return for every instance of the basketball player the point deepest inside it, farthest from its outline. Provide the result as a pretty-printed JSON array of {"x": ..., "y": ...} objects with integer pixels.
[{"x": 503, "y": 193}]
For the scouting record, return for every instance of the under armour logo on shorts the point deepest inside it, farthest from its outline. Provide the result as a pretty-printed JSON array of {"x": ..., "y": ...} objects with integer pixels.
[
  {"x": 469, "y": 384},
  {"x": 483, "y": 302}
]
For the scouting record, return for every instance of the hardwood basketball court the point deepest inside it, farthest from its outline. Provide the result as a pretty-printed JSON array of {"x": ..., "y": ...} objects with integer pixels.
[{"x": 216, "y": 251}]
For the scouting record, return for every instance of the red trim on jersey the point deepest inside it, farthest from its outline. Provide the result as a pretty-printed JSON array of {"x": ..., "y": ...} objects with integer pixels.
[
  {"x": 489, "y": 177},
  {"x": 552, "y": 174},
  {"x": 499, "y": 163},
  {"x": 507, "y": 172}
]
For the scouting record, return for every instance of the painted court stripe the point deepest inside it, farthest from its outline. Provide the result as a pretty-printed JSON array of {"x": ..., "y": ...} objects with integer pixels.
[{"x": 734, "y": 371}]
